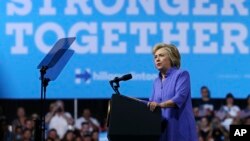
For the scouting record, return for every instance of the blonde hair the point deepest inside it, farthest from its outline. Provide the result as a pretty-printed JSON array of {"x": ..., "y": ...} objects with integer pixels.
[{"x": 172, "y": 51}]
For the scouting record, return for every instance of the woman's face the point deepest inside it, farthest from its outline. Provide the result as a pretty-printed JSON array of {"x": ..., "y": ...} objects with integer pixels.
[
  {"x": 204, "y": 92},
  {"x": 70, "y": 136},
  {"x": 20, "y": 112},
  {"x": 230, "y": 100},
  {"x": 204, "y": 122},
  {"x": 52, "y": 134},
  {"x": 161, "y": 60},
  {"x": 27, "y": 134}
]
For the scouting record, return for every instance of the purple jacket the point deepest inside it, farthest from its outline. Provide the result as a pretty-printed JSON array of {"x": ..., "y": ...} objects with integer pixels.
[{"x": 180, "y": 121}]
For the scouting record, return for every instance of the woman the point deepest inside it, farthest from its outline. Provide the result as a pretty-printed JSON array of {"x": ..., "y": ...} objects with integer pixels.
[
  {"x": 229, "y": 111},
  {"x": 21, "y": 117},
  {"x": 245, "y": 113},
  {"x": 171, "y": 92},
  {"x": 69, "y": 136}
]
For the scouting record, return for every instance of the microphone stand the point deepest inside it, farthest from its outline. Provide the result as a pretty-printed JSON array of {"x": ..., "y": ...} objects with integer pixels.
[
  {"x": 115, "y": 85},
  {"x": 40, "y": 124}
]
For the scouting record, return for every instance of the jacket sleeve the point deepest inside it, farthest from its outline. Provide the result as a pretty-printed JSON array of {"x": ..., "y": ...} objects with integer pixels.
[{"x": 182, "y": 89}]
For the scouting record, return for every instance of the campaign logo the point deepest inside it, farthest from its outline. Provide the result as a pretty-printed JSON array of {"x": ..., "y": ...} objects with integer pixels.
[
  {"x": 239, "y": 132},
  {"x": 84, "y": 76}
]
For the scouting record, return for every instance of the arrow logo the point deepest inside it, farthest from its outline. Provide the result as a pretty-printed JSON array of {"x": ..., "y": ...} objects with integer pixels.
[{"x": 85, "y": 76}]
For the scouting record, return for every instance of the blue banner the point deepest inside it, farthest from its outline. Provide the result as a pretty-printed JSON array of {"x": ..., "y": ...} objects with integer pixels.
[{"x": 115, "y": 37}]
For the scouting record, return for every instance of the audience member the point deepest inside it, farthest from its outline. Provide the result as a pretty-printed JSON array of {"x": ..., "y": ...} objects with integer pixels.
[
  {"x": 247, "y": 120},
  {"x": 219, "y": 133},
  {"x": 61, "y": 121},
  {"x": 20, "y": 120},
  {"x": 2, "y": 116},
  {"x": 228, "y": 111},
  {"x": 52, "y": 110},
  {"x": 246, "y": 111},
  {"x": 87, "y": 137},
  {"x": 18, "y": 133},
  {"x": 52, "y": 134},
  {"x": 86, "y": 117},
  {"x": 27, "y": 135},
  {"x": 69, "y": 136},
  {"x": 95, "y": 135},
  {"x": 2, "y": 124},
  {"x": 205, "y": 129},
  {"x": 78, "y": 138},
  {"x": 206, "y": 106},
  {"x": 85, "y": 129}
]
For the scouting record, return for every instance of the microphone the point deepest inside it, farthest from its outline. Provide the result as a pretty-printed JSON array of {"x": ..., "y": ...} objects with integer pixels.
[{"x": 123, "y": 78}]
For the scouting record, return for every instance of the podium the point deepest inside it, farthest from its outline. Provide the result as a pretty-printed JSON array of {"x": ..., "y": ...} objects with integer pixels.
[{"x": 131, "y": 120}]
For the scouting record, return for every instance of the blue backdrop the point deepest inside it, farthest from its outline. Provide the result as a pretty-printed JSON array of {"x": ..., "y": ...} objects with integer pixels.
[{"x": 116, "y": 37}]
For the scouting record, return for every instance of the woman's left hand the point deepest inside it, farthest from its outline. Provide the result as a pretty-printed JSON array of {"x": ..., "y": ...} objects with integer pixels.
[{"x": 152, "y": 106}]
